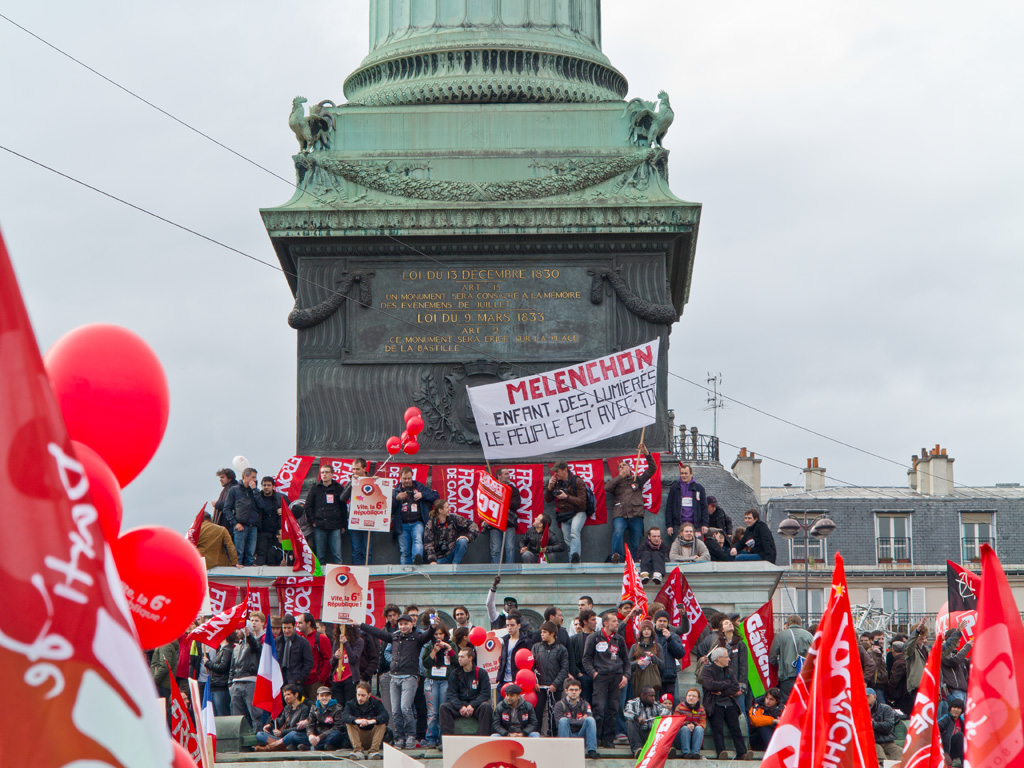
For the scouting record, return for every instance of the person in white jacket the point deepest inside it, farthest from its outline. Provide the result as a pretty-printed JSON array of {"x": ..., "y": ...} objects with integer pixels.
[{"x": 687, "y": 548}]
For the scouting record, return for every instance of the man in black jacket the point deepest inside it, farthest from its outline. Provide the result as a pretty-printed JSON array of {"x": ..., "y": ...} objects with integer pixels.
[
  {"x": 687, "y": 502},
  {"x": 367, "y": 721},
  {"x": 293, "y": 653},
  {"x": 469, "y": 695},
  {"x": 518, "y": 637},
  {"x": 328, "y": 515},
  {"x": 227, "y": 480},
  {"x": 606, "y": 661},
  {"x": 723, "y": 702},
  {"x": 411, "y": 503},
  {"x": 268, "y": 506},
  {"x": 241, "y": 516},
  {"x": 495, "y": 535},
  {"x": 323, "y": 727},
  {"x": 883, "y": 723},
  {"x": 551, "y": 663},
  {"x": 717, "y": 518},
  {"x": 406, "y": 644},
  {"x": 758, "y": 543},
  {"x": 514, "y": 715}
]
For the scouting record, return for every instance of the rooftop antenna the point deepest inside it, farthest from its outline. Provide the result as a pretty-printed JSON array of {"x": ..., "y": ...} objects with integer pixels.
[{"x": 715, "y": 401}]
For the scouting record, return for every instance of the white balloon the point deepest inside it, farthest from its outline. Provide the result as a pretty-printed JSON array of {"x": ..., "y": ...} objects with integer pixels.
[{"x": 240, "y": 464}]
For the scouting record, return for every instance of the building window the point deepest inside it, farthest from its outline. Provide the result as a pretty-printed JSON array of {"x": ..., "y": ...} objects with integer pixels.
[
  {"x": 895, "y": 610},
  {"x": 815, "y": 547},
  {"x": 795, "y": 601},
  {"x": 976, "y": 528},
  {"x": 893, "y": 537}
]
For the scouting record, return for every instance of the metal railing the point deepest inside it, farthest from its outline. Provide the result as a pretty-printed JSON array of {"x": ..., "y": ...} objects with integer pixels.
[
  {"x": 971, "y": 548},
  {"x": 893, "y": 549},
  {"x": 693, "y": 446}
]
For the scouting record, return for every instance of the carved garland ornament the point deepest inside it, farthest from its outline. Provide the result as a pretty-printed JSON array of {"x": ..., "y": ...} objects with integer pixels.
[
  {"x": 300, "y": 319},
  {"x": 383, "y": 180},
  {"x": 659, "y": 314}
]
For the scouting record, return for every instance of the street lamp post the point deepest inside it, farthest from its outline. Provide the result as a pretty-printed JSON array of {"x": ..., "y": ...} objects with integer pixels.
[{"x": 820, "y": 527}]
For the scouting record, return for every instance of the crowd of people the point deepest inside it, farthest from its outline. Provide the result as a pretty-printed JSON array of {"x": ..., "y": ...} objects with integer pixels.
[
  {"x": 601, "y": 678},
  {"x": 244, "y": 526}
]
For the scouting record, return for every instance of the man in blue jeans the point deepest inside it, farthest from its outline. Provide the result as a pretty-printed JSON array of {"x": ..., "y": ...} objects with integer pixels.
[
  {"x": 242, "y": 517},
  {"x": 362, "y": 550},
  {"x": 328, "y": 515},
  {"x": 411, "y": 503},
  {"x": 569, "y": 494},
  {"x": 625, "y": 493},
  {"x": 574, "y": 719}
]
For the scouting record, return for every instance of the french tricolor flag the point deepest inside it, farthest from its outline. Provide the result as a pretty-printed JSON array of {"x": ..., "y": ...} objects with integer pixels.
[
  {"x": 209, "y": 723},
  {"x": 269, "y": 679}
]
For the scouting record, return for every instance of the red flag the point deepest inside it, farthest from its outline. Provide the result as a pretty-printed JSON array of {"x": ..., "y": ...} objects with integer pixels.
[
  {"x": 492, "y": 499},
  {"x": 678, "y": 598},
  {"x": 457, "y": 485},
  {"x": 923, "y": 747},
  {"x": 259, "y": 600},
  {"x": 183, "y": 730},
  {"x": 394, "y": 471},
  {"x": 305, "y": 560},
  {"x": 529, "y": 479},
  {"x": 993, "y": 727},
  {"x": 826, "y": 721},
  {"x": 193, "y": 532},
  {"x": 69, "y": 656},
  {"x": 291, "y": 475},
  {"x": 300, "y": 594},
  {"x": 375, "y": 603},
  {"x": 213, "y": 631},
  {"x": 222, "y": 596},
  {"x": 592, "y": 474},
  {"x": 652, "y": 488}
]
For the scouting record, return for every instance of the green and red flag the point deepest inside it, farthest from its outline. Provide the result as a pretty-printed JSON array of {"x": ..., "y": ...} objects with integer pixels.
[
  {"x": 758, "y": 631},
  {"x": 660, "y": 741}
]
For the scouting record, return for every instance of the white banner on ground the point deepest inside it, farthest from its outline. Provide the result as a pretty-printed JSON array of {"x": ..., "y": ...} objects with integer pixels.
[
  {"x": 477, "y": 751},
  {"x": 370, "y": 506},
  {"x": 564, "y": 408},
  {"x": 346, "y": 592}
]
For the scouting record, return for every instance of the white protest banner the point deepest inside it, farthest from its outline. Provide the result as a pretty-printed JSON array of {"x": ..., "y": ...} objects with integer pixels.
[
  {"x": 478, "y": 751},
  {"x": 346, "y": 590},
  {"x": 568, "y": 407},
  {"x": 369, "y": 509}
]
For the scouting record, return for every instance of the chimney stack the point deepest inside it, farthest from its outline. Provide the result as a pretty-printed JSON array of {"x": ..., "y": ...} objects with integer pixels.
[
  {"x": 747, "y": 468},
  {"x": 814, "y": 476},
  {"x": 933, "y": 473}
]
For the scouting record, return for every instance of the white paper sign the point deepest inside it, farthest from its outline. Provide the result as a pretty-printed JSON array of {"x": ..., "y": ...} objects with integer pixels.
[
  {"x": 564, "y": 408},
  {"x": 477, "y": 751},
  {"x": 369, "y": 507},
  {"x": 346, "y": 591}
]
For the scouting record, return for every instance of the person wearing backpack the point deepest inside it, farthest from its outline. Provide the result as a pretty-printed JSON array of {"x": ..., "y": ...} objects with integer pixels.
[
  {"x": 787, "y": 653},
  {"x": 569, "y": 494}
]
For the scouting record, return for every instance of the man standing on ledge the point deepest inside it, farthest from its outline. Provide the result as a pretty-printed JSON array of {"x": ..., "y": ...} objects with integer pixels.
[
  {"x": 687, "y": 502},
  {"x": 626, "y": 492},
  {"x": 326, "y": 511},
  {"x": 359, "y": 540},
  {"x": 411, "y": 503},
  {"x": 569, "y": 493}
]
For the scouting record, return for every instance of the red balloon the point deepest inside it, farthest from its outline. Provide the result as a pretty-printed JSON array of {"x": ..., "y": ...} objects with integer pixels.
[
  {"x": 477, "y": 636},
  {"x": 525, "y": 679},
  {"x": 502, "y": 691},
  {"x": 524, "y": 658},
  {"x": 113, "y": 393},
  {"x": 410, "y": 412},
  {"x": 393, "y": 445},
  {"x": 411, "y": 447},
  {"x": 406, "y": 437},
  {"x": 414, "y": 425},
  {"x": 182, "y": 759},
  {"x": 104, "y": 490},
  {"x": 164, "y": 581},
  {"x": 530, "y": 696}
]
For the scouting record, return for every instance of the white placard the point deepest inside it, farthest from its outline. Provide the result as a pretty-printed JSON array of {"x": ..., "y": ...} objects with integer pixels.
[
  {"x": 567, "y": 407},
  {"x": 476, "y": 751},
  {"x": 346, "y": 590},
  {"x": 369, "y": 507}
]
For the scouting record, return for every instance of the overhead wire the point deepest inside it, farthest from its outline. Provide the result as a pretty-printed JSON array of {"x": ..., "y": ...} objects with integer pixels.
[{"x": 413, "y": 249}]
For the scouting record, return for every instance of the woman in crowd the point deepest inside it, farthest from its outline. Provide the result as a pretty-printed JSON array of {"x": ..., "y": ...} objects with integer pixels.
[
  {"x": 447, "y": 536},
  {"x": 691, "y": 735},
  {"x": 437, "y": 660},
  {"x": 347, "y": 643},
  {"x": 646, "y": 660}
]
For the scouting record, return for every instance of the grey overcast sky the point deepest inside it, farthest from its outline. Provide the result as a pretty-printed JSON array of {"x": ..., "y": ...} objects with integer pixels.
[{"x": 858, "y": 266}]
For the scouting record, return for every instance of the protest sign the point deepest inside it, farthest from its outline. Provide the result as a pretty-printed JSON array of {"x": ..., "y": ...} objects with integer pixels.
[
  {"x": 492, "y": 500},
  {"x": 300, "y": 594},
  {"x": 346, "y": 590},
  {"x": 222, "y": 596},
  {"x": 369, "y": 508},
  {"x": 488, "y": 654},
  {"x": 568, "y": 407},
  {"x": 457, "y": 485},
  {"x": 512, "y": 752},
  {"x": 375, "y": 602}
]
